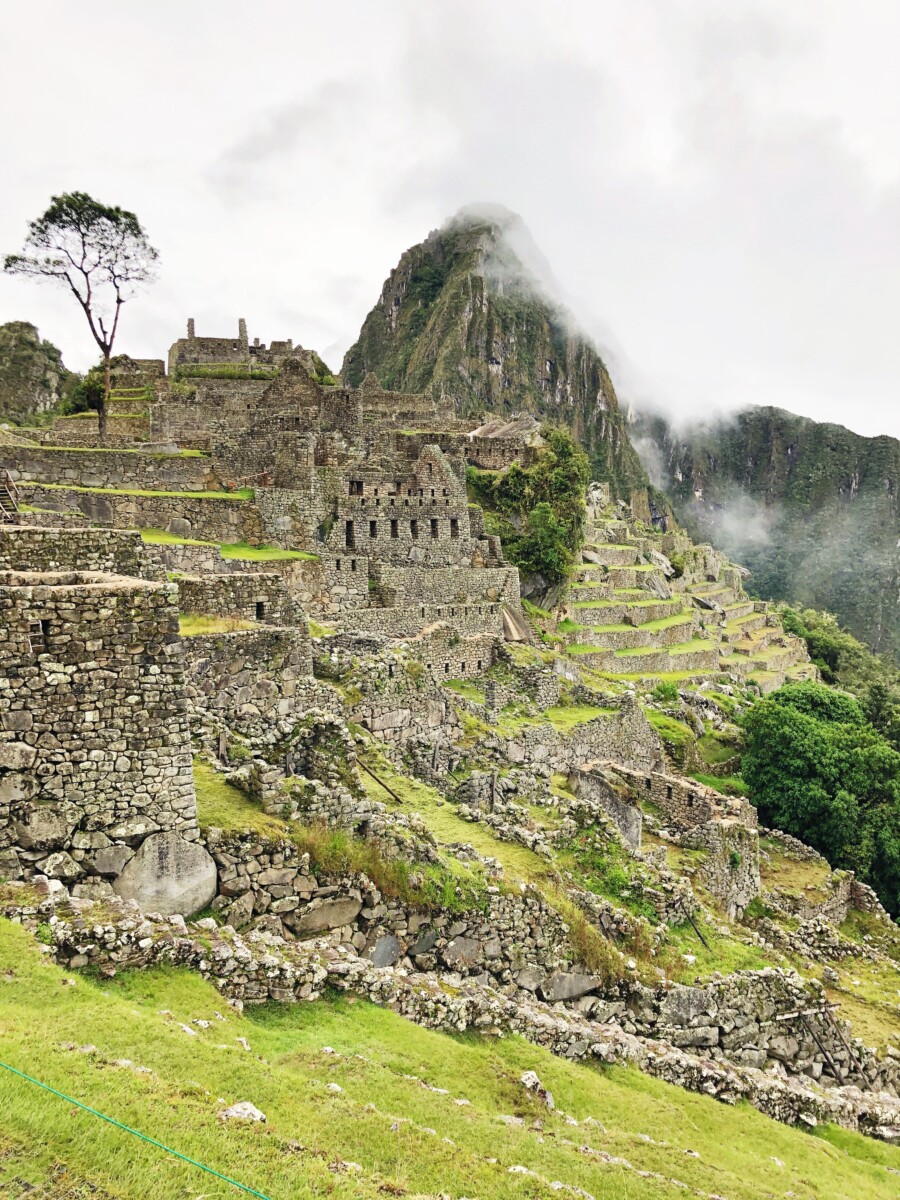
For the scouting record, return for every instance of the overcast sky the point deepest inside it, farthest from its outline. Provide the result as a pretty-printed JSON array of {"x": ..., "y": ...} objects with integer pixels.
[{"x": 715, "y": 184}]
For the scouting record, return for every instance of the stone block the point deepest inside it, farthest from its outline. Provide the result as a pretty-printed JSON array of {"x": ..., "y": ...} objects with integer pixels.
[
  {"x": 169, "y": 875},
  {"x": 330, "y": 914}
]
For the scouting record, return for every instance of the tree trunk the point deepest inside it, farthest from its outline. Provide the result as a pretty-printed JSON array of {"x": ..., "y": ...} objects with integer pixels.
[{"x": 102, "y": 410}]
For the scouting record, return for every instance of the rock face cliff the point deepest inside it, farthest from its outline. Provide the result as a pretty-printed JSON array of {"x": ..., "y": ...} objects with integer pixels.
[
  {"x": 812, "y": 509},
  {"x": 464, "y": 313},
  {"x": 32, "y": 376}
]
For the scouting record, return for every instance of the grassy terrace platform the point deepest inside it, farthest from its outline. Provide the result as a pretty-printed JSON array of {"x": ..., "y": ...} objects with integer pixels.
[
  {"x": 238, "y": 494},
  {"x": 234, "y": 550},
  {"x": 121, "y": 450},
  {"x": 191, "y": 625}
]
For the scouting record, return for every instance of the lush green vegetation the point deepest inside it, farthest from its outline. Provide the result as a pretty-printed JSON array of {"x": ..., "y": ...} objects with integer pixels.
[
  {"x": 382, "y": 1119},
  {"x": 848, "y": 663},
  {"x": 541, "y": 507},
  {"x": 819, "y": 770}
]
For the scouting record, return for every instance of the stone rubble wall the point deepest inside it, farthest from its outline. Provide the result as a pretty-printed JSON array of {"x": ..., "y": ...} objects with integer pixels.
[
  {"x": 729, "y": 870},
  {"x": 117, "y": 552},
  {"x": 399, "y": 586},
  {"x": 626, "y": 737},
  {"x": 95, "y": 750},
  {"x": 122, "y": 432},
  {"x": 246, "y": 595},
  {"x": 261, "y": 967},
  {"x": 407, "y": 622},
  {"x": 111, "y": 469},
  {"x": 212, "y": 519},
  {"x": 684, "y": 802},
  {"x": 251, "y": 678}
]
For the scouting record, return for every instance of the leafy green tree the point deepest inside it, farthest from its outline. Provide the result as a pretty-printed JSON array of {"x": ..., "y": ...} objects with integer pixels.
[
  {"x": 100, "y": 254},
  {"x": 818, "y": 770},
  {"x": 543, "y": 549}
]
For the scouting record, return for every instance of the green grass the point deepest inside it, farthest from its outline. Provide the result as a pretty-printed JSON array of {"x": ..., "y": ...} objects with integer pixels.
[
  {"x": 192, "y": 625},
  {"x": 519, "y": 863},
  {"x": 124, "y": 450},
  {"x": 714, "y": 750},
  {"x": 236, "y": 550},
  {"x": 382, "y": 1119},
  {"x": 238, "y": 494},
  {"x": 241, "y": 550},
  {"x": 691, "y": 647},
  {"x": 728, "y": 785},
  {"x": 162, "y": 537},
  {"x": 226, "y": 807},
  {"x": 466, "y": 688},
  {"x": 319, "y": 631}
]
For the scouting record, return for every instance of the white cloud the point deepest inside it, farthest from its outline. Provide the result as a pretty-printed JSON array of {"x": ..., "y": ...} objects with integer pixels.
[{"x": 715, "y": 187}]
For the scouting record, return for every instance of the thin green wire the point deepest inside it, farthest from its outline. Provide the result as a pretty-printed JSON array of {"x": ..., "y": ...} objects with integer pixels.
[{"x": 128, "y": 1129}]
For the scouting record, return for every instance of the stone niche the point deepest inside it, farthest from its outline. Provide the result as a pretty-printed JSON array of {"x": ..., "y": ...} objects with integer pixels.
[{"x": 95, "y": 754}]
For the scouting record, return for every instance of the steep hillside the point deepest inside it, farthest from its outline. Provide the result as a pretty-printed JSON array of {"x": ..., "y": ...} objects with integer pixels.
[
  {"x": 32, "y": 376},
  {"x": 358, "y": 1103},
  {"x": 463, "y": 312},
  {"x": 812, "y": 509}
]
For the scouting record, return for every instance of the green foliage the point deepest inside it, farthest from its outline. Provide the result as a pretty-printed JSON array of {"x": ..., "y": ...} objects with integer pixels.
[
  {"x": 818, "y": 770},
  {"x": 541, "y": 507},
  {"x": 86, "y": 395},
  {"x": 666, "y": 692}
]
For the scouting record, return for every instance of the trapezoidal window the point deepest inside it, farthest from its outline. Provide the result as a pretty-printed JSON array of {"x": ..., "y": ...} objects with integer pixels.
[
  {"x": 454, "y": 527},
  {"x": 414, "y": 529},
  {"x": 434, "y": 529},
  {"x": 39, "y": 636},
  {"x": 373, "y": 529},
  {"x": 260, "y": 610},
  {"x": 349, "y": 535},
  {"x": 356, "y": 487}
]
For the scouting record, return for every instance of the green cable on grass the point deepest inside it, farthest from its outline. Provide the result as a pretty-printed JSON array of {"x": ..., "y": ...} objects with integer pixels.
[{"x": 128, "y": 1129}]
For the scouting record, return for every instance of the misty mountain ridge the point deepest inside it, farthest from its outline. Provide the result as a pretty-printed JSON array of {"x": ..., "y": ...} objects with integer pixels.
[
  {"x": 467, "y": 312},
  {"x": 811, "y": 508}
]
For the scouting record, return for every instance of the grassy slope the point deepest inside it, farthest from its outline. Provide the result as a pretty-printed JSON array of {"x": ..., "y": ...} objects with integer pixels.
[{"x": 384, "y": 1120}]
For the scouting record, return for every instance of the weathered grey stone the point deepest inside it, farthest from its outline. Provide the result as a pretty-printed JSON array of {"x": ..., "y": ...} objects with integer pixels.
[
  {"x": 530, "y": 978},
  {"x": 568, "y": 985},
  {"x": 109, "y": 860},
  {"x": 44, "y": 828},
  {"x": 385, "y": 952},
  {"x": 61, "y": 866},
  {"x": 330, "y": 914},
  {"x": 169, "y": 875},
  {"x": 424, "y": 942},
  {"x": 17, "y": 756},
  {"x": 463, "y": 952}
]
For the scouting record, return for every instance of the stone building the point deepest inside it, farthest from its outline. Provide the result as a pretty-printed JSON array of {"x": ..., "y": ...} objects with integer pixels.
[{"x": 95, "y": 756}]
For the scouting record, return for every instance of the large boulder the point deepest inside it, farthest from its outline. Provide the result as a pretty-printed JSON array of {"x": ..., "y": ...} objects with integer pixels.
[
  {"x": 330, "y": 914},
  {"x": 169, "y": 874}
]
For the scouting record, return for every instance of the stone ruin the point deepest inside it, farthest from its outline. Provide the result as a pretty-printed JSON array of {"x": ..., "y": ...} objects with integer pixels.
[{"x": 156, "y": 598}]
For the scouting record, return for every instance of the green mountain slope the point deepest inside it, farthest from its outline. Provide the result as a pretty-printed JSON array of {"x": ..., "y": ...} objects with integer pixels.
[
  {"x": 32, "y": 376},
  {"x": 812, "y": 509},
  {"x": 463, "y": 312},
  {"x": 358, "y": 1103}
]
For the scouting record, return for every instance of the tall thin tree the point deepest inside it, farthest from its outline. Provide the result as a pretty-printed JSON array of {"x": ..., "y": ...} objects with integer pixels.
[{"x": 100, "y": 254}]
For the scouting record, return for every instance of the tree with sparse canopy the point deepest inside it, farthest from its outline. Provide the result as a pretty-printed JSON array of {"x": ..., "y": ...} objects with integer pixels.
[{"x": 100, "y": 254}]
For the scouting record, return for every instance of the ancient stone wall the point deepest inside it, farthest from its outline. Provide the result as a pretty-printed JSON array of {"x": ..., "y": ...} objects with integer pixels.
[
  {"x": 497, "y": 454},
  {"x": 118, "y": 552},
  {"x": 110, "y": 469},
  {"x": 212, "y": 519},
  {"x": 625, "y": 737},
  {"x": 729, "y": 869},
  {"x": 685, "y": 803},
  {"x": 439, "y": 585},
  {"x": 251, "y": 678},
  {"x": 408, "y": 622},
  {"x": 82, "y": 430},
  {"x": 246, "y": 595},
  {"x": 95, "y": 748}
]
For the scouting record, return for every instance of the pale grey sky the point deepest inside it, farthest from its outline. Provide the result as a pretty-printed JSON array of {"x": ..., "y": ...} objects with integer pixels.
[{"x": 715, "y": 185}]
